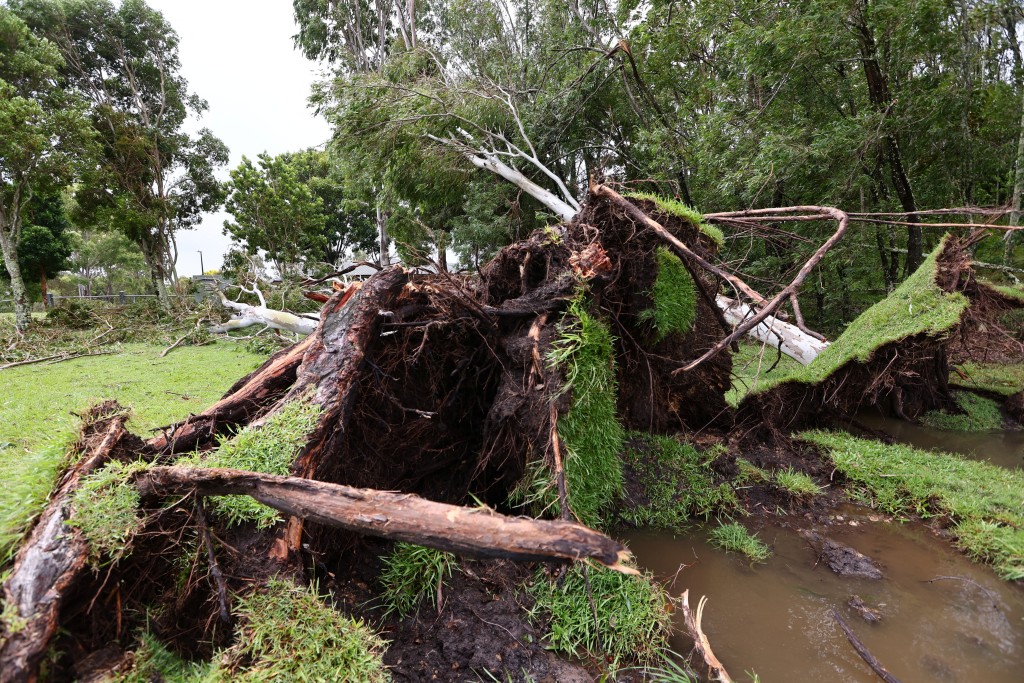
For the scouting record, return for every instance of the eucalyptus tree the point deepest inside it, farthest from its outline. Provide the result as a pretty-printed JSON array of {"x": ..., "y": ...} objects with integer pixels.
[
  {"x": 153, "y": 178},
  {"x": 44, "y": 137}
]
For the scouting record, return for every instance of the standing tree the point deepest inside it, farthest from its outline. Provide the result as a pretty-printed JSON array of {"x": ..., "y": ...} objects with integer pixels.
[
  {"x": 45, "y": 243},
  {"x": 153, "y": 179},
  {"x": 43, "y": 137}
]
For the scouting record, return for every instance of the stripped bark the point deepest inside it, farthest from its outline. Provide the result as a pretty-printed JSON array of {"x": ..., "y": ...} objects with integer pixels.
[
  {"x": 478, "y": 532},
  {"x": 716, "y": 671},
  {"x": 49, "y": 563}
]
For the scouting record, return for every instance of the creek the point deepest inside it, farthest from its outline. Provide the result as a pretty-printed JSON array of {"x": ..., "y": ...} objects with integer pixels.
[{"x": 944, "y": 618}]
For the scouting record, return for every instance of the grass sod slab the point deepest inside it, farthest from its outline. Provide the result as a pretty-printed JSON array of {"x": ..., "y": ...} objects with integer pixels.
[
  {"x": 677, "y": 208},
  {"x": 674, "y": 296},
  {"x": 995, "y": 377},
  {"x": 984, "y": 502},
  {"x": 918, "y": 306},
  {"x": 979, "y": 414}
]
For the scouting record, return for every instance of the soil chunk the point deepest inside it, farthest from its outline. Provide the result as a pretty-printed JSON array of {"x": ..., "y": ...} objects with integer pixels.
[{"x": 842, "y": 559}]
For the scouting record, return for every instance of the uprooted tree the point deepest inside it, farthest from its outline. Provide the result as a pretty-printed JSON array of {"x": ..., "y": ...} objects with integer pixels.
[{"x": 418, "y": 395}]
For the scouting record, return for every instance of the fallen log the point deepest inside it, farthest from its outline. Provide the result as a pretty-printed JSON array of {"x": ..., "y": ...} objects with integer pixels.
[
  {"x": 248, "y": 315},
  {"x": 51, "y": 560},
  {"x": 478, "y": 532},
  {"x": 789, "y": 339},
  {"x": 863, "y": 651}
]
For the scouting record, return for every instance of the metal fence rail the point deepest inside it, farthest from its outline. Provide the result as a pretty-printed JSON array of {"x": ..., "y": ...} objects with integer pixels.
[{"x": 121, "y": 299}]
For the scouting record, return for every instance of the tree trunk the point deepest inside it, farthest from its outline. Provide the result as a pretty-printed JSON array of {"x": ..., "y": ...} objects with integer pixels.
[
  {"x": 44, "y": 288},
  {"x": 382, "y": 238},
  {"x": 1018, "y": 191},
  {"x": 778, "y": 334},
  {"x": 22, "y": 309}
]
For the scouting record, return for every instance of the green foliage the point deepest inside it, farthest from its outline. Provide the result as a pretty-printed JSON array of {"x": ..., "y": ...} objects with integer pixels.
[
  {"x": 918, "y": 306},
  {"x": 28, "y": 480},
  {"x": 983, "y": 500},
  {"x": 412, "y": 573},
  {"x": 633, "y": 614},
  {"x": 288, "y": 633},
  {"x": 676, "y": 208},
  {"x": 734, "y": 537},
  {"x": 798, "y": 484},
  {"x": 591, "y": 432},
  {"x": 979, "y": 414},
  {"x": 677, "y": 482},
  {"x": 270, "y": 448},
  {"x": 106, "y": 509},
  {"x": 674, "y": 295}
]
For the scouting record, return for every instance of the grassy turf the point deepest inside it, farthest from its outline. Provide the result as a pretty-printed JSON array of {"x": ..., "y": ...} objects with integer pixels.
[
  {"x": 984, "y": 502},
  {"x": 980, "y": 415},
  {"x": 674, "y": 295},
  {"x": 734, "y": 537},
  {"x": 591, "y": 432},
  {"x": 1001, "y": 379},
  {"x": 677, "y": 208},
  {"x": 678, "y": 482},
  {"x": 750, "y": 368},
  {"x": 413, "y": 573},
  {"x": 918, "y": 306},
  {"x": 633, "y": 619}
]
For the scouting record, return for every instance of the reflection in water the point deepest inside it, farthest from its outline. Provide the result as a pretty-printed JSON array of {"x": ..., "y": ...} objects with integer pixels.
[
  {"x": 1003, "y": 448},
  {"x": 774, "y": 618}
]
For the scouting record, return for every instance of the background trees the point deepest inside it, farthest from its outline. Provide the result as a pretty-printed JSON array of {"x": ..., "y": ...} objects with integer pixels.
[
  {"x": 43, "y": 138},
  {"x": 152, "y": 178}
]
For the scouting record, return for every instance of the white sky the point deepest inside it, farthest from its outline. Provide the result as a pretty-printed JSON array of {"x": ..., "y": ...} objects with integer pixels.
[{"x": 238, "y": 56}]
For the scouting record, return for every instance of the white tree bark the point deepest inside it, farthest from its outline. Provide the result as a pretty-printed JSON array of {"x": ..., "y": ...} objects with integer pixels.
[
  {"x": 790, "y": 339},
  {"x": 248, "y": 316}
]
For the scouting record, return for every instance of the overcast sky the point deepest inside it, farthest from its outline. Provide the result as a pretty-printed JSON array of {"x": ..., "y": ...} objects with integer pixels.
[{"x": 238, "y": 56}]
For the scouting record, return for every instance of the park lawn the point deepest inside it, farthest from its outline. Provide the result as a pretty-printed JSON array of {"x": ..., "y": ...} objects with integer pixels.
[{"x": 37, "y": 401}]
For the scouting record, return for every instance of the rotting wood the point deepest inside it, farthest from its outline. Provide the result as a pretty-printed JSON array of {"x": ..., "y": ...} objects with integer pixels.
[
  {"x": 478, "y": 532},
  {"x": 49, "y": 563},
  {"x": 863, "y": 651},
  {"x": 716, "y": 671}
]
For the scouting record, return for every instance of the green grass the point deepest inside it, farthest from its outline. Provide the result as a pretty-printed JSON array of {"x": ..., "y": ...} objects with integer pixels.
[
  {"x": 590, "y": 432},
  {"x": 980, "y": 414},
  {"x": 413, "y": 573},
  {"x": 677, "y": 208},
  {"x": 674, "y": 296},
  {"x": 36, "y": 400},
  {"x": 152, "y": 661},
  {"x": 106, "y": 509},
  {"x": 677, "y": 481},
  {"x": 1010, "y": 291},
  {"x": 287, "y": 633},
  {"x": 995, "y": 377},
  {"x": 270, "y": 449},
  {"x": 750, "y": 368},
  {"x": 796, "y": 483},
  {"x": 733, "y": 537},
  {"x": 917, "y": 306},
  {"x": 633, "y": 614},
  {"x": 984, "y": 502}
]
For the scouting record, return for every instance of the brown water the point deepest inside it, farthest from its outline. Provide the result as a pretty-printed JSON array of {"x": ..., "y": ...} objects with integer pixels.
[
  {"x": 1003, "y": 448},
  {"x": 774, "y": 619}
]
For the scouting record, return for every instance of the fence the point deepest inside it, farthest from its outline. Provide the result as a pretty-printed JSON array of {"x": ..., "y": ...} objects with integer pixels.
[{"x": 120, "y": 299}]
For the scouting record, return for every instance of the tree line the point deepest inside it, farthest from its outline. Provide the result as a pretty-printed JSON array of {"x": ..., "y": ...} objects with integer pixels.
[{"x": 871, "y": 105}]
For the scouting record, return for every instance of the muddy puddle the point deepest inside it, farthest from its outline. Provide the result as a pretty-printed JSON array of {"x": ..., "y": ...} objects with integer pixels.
[
  {"x": 1003, "y": 448},
  {"x": 774, "y": 619}
]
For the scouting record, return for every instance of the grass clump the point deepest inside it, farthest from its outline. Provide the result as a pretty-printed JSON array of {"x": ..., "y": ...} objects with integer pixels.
[
  {"x": 412, "y": 573},
  {"x": 590, "y": 432},
  {"x": 985, "y": 502},
  {"x": 28, "y": 480},
  {"x": 674, "y": 296},
  {"x": 754, "y": 364},
  {"x": 676, "y": 208},
  {"x": 796, "y": 483},
  {"x": 152, "y": 661},
  {"x": 676, "y": 480},
  {"x": 979, "y": 414},
  {"x": 287, "y": 633},
  {"x": 995, "y": 377},
  {"x": 633, "y": 614},
  {"x": 918, "y": 306},
  {"x": 270, "y": 449},
  {"x": 734, "y": 537},
  {"x": 105, "y": 508}
]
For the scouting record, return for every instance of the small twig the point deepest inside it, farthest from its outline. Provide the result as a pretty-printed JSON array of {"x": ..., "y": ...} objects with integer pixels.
[
  {"x": 175, "y": 344},
  {"x": 215, "y": 571},
  {"x": 862, "y": 650},
  {"x": 563, "y": 493},
  {"x": 81, "y": 355},
  {"x": 990, "y": 593},
  {"x": 701, "y": 643}
]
